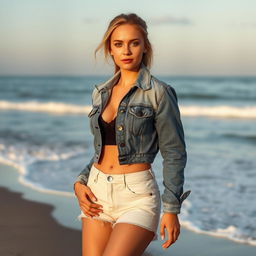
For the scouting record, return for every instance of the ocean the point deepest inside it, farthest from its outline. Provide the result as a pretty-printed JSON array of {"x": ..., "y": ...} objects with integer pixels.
[{"x": 44, "y": 132}]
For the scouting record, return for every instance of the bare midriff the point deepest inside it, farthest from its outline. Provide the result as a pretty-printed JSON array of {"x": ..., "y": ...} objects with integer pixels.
[{"x": 109, "y": 163}]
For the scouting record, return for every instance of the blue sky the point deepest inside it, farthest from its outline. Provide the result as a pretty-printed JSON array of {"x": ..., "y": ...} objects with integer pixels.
[{"x": 196, "y": 37}]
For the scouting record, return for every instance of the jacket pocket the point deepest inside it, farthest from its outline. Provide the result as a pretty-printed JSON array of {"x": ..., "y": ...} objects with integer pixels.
[{"x": 140, "y": 119}]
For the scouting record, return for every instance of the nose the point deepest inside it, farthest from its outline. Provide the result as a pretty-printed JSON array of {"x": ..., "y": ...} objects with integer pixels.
[{"x": 127, "y": 50}]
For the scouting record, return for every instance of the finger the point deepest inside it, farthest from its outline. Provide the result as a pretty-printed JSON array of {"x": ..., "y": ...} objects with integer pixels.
[
  {"x": 91, "y": 209},
  {"x": 86, "y": 212},
  {"x": 176, "y": 234},
  {"x": 90, "y": 203},
  {"x": 170, "y": 238},
  {"x": 162, "y": 232},
  {"x": 90, "y": 194},
  {"x": 89, "y": 212}
]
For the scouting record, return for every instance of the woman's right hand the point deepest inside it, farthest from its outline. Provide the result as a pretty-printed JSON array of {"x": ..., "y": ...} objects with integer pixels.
[{"x": 85, "y": 197}]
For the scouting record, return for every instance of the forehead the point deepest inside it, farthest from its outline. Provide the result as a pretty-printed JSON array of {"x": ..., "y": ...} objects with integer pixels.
[{"x": 126, "y": 32}]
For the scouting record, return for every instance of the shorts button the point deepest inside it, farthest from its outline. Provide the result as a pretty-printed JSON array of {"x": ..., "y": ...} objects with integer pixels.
[{"x": 109, "y": 178}]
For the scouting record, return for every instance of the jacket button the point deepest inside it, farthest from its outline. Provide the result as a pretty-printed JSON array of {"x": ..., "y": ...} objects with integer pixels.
[
  {"x": 120, "y": 127},
  {"x": 122, "y": 144}
]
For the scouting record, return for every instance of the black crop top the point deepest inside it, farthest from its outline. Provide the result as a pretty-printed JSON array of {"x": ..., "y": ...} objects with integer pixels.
[{"x": 108, "y": 131}]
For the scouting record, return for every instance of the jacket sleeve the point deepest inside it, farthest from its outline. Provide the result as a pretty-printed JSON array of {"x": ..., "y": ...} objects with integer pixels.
[
  {"x": 84, "y": 174},
  {"x": 173, "y": 150}
]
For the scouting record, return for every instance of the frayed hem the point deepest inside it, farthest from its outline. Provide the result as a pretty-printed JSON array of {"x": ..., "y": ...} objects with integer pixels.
[{"x": 79, "y": 217}]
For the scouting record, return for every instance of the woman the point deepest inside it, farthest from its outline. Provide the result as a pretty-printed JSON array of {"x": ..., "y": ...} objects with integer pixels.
[{"x": 133, "y": 116}]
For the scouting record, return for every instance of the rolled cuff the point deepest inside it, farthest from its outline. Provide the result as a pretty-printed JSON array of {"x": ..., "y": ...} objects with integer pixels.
[{"x": 175, "y": 208}]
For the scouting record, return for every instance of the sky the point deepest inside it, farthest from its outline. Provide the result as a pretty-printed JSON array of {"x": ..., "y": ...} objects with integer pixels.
[{"x": 195, "y": 37}]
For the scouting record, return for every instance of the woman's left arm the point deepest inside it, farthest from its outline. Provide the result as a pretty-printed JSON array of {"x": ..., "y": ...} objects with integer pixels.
[{"x": 173, "y": 150}]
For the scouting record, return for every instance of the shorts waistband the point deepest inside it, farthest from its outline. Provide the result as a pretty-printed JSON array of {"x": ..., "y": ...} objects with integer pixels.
[{"x": 119, "y": 178}]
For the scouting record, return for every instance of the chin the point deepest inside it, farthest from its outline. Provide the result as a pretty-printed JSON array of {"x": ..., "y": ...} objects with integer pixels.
[{"x": 130, "y": 66}]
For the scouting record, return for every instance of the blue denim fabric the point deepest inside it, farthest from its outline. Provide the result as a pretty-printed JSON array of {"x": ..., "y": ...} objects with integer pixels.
[{"x": 148, "y": 120}]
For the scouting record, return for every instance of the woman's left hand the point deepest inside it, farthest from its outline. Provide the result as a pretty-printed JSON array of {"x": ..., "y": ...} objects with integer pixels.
[{"x": 169, "y": 221}]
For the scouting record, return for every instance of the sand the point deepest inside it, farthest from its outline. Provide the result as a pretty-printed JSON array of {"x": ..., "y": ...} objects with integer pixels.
[{"x": 27, "y": 228}]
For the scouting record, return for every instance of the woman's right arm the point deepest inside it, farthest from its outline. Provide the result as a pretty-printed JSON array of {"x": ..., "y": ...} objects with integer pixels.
[
  {"x": 84, "y": 174},
  {"x": 84, "y": 194},
  {"x": 86, "y": 200}
]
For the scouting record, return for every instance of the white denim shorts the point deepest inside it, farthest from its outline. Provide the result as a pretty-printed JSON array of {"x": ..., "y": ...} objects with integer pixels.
[{"x": 126, "y": 198}]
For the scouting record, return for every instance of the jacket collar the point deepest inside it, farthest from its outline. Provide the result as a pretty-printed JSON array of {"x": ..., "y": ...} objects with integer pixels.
[{"x": 143, "y": 79}]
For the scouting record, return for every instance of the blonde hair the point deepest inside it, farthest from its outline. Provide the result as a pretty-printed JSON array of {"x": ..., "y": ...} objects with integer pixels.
[{"x": 133, "y": 19}]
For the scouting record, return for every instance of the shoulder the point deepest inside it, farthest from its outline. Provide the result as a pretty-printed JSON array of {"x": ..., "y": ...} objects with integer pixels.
[
  {"x": 96, "y": 97},
  {"x": 161, "y": 88}
]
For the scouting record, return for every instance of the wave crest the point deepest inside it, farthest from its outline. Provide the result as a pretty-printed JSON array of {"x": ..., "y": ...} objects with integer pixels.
[
  {"x": 49, "y": 107},
  {"x": 223, "y": 111}
]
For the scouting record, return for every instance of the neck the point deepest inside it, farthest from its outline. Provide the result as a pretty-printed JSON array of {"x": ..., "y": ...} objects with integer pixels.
[{"x": 128, "y": 77}]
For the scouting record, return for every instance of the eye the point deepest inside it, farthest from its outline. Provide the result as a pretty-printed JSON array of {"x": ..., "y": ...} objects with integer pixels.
[
  {"x": 136, "y": 43},
  {"x": 117, "y": 44}
]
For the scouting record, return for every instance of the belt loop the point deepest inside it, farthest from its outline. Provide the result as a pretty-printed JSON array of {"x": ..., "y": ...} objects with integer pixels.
[
  {"x": 96, "y": 178},
  {"x": 124, "y": 180}
]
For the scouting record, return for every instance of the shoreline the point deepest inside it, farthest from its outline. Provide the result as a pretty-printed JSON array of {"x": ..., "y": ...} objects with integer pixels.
[{"x": 57, "y": 214}]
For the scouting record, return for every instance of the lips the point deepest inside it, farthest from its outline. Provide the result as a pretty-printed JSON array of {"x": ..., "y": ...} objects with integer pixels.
[{"x": 127, "y": 60}]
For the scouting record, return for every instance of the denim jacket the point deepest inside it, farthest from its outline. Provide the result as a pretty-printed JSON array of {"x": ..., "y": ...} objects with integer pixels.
[{"x": 148, "y": 120}]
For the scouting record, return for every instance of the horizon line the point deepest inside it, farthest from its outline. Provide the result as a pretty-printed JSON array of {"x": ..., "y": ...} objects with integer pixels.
[{"x": 107, "y": 75}]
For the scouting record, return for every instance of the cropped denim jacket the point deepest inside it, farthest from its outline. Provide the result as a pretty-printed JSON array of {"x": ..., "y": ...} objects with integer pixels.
[{"x": 148, "y": 120}]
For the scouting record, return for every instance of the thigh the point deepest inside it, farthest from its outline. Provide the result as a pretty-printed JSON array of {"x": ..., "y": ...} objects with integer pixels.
[
  {"x": 128, "y": 240},
  {"x": 95, "y": 235},
  {"x": 139, "y": 204}
]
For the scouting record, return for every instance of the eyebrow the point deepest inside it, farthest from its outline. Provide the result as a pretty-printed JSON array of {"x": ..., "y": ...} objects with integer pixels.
[{"x": 130, "y": 40}]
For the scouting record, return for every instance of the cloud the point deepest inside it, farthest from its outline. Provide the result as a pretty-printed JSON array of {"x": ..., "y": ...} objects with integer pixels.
[{"x": 168, "y": 19}]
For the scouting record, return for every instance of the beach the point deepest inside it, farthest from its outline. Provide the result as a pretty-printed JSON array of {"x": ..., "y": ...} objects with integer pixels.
[{"x": 29, "y": 228}]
